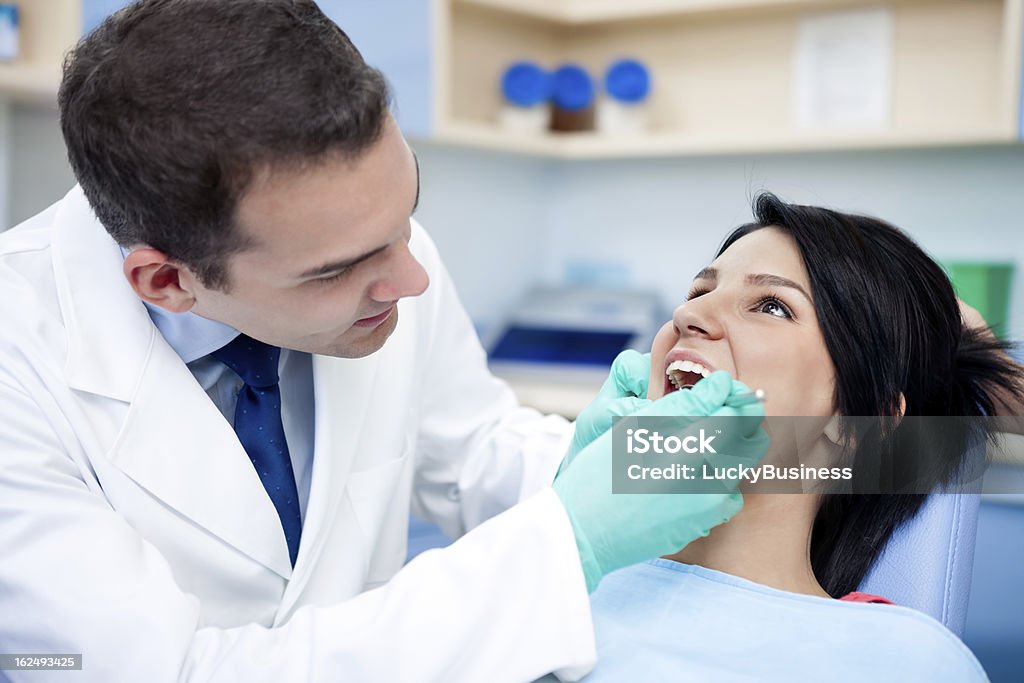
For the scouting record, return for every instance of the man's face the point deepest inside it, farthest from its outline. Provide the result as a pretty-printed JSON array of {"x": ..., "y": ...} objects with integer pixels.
[{"x": 330, "y": 256}]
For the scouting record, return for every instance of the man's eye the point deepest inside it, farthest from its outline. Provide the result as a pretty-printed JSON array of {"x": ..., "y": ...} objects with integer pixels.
[
  {"x": 773, "y": 306},
  {"x": 332, "y": 278}
]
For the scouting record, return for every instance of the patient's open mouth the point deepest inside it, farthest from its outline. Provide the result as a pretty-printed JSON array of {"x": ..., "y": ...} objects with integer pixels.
[{"x": 683, "y": 374}]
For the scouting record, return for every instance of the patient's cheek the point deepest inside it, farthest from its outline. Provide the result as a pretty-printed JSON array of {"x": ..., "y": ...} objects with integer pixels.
[
  {"x": 664, "y": 340},
  {"x": 655, "y": 388}
]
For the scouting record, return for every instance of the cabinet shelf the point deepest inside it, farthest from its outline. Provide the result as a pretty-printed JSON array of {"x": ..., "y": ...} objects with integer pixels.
[
  {"x": 724, "y": 70},
  {"x": 580, "y": 146},
  {"x": 34, "y": 83},
  {"x": 578, "y": 12}
]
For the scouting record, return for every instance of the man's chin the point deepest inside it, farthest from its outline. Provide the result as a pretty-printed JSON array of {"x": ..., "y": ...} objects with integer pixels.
[{"x": 358, "y": 342}]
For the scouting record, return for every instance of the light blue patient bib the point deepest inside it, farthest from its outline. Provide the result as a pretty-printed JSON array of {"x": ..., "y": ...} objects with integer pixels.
[{"x": 665, "y": 621}]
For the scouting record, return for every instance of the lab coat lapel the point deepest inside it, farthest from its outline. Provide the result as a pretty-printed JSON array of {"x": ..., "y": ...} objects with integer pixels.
[
  {"x": 178, "y": 446},
  {"x": 341, "y": 386},
  {"x": 174, "y": 442}
]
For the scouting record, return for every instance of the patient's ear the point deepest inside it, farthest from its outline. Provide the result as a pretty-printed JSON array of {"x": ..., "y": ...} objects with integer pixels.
[{"x": 834, "y": 434}]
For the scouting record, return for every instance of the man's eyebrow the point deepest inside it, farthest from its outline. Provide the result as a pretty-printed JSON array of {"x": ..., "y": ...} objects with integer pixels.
[
  {"x": 336, "y": 266},
  {"x": 767, "y": 280}
]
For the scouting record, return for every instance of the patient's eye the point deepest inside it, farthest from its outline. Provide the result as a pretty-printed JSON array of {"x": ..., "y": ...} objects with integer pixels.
[
  {"x": 773, "y": 306},
  {"x": 695, "y": 292}
]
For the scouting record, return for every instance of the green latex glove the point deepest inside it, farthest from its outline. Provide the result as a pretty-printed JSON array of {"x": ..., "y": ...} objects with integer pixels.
[
  {"x": 623, "y": 393},
  {"x": 617, "y": 530}
]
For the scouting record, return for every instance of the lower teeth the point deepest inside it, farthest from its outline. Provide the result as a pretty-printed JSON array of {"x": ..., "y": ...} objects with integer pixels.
[{"x": 676, "y": 379}]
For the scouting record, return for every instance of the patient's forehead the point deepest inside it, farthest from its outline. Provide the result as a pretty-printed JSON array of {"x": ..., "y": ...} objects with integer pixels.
[{"x": 769, "y": 251}]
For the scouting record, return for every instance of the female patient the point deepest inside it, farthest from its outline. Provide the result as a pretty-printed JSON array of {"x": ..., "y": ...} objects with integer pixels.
[{"x": 830, "y": 314}]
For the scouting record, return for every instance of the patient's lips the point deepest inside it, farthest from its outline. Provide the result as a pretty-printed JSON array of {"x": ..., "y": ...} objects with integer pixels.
[{"x": 684, "y": 368}]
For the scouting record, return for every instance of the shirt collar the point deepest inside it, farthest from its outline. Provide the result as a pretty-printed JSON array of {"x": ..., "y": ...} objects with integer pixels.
[{"x": 190, "y": 335}]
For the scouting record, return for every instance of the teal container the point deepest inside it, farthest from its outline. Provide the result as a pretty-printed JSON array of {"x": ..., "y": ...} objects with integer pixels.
[{"x": 986, "y": 287}]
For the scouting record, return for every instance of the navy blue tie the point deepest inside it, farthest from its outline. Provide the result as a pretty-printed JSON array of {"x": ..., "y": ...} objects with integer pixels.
[{"x": 259, "y": 428}]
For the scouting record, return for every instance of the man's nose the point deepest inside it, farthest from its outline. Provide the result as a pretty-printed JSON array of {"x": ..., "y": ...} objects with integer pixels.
[{"x": 404, "y": 277}]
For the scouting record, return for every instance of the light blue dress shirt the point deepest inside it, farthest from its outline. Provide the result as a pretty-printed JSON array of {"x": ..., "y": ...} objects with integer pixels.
[
  {"x": 666, "y": 621},
  {"x": 194, "y": 338}
]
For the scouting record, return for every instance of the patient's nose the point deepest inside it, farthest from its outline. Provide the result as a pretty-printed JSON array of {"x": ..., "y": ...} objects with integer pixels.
[{"x": 696, "y": 318}]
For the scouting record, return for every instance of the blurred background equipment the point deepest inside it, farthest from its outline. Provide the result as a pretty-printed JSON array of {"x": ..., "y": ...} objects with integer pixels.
[{"x": 556, "y": 347}]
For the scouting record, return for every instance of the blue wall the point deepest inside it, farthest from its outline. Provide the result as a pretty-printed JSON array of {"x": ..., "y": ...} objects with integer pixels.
[
  {"x": 395, "y": 37},
  {"x": 95, "y": 11}
]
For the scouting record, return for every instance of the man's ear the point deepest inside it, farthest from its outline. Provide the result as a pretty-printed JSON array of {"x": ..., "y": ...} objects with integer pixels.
[{"x": 158, "y": 280}]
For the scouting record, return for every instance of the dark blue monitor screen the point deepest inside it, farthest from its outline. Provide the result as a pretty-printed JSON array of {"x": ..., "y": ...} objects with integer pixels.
[{"x": 570, "y": 347}]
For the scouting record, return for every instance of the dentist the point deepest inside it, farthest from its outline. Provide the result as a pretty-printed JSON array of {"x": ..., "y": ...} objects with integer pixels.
[{"x": 230, "y": 364}]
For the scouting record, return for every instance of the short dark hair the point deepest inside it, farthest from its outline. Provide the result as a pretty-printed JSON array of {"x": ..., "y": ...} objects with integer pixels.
[
  {"x": 892, "y": 327},
  {"x": 170, "y": 107}
]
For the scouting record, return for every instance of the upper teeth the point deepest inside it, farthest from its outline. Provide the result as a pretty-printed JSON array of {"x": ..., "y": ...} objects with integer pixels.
[
  {"x": 676, "y": 369},
  {"x": 687, "y": 366}
]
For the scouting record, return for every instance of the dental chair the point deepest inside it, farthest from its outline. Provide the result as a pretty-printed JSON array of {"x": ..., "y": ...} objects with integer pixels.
[{"x": 927, "y": 564}]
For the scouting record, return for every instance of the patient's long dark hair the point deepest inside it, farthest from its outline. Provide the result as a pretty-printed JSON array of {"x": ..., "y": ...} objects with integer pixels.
[{"x": 892, "y": 327}]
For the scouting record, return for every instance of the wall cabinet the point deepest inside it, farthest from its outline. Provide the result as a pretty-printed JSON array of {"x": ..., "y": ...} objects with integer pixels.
[
  {"x": 724, "y": 70},
  {"x": 47, "y": 30}
]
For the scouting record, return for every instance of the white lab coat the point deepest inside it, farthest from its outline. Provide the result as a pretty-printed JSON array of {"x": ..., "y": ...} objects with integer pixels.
[{"x": 136, "y": 532}]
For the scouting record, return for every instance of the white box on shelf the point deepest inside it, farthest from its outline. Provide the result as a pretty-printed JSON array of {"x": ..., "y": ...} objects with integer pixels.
[{"x": 844, "y": 69}]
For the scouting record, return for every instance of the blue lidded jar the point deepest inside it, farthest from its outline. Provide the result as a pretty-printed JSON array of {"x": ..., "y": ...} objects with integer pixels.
[
  {"x": 525, "y": 89},
  {"x": 572, "y": 99},
  {"x": 627, "y": 86}
]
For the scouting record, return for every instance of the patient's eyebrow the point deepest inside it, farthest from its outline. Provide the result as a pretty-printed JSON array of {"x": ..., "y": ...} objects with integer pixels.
[
  {"x": 762, "y": 279},
  {"x": 766, "y": 280}
]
